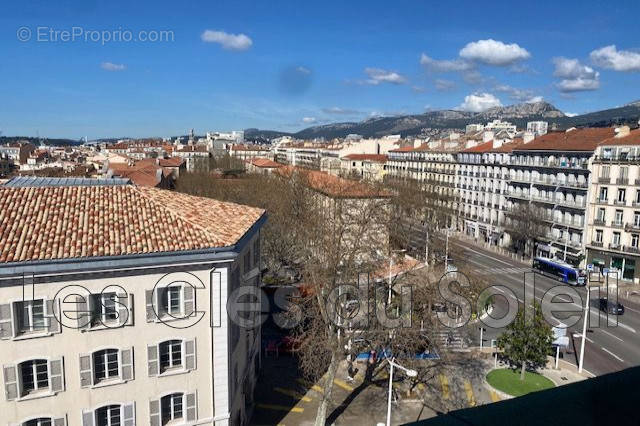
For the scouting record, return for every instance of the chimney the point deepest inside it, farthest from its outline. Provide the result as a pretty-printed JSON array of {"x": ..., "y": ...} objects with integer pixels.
[
  {"x": 622, "y": 131},
  {"x": 528, "y": 137},
  {"x": 487, "y": 136}
]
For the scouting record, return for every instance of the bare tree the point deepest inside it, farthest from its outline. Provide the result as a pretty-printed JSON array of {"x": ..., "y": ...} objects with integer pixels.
[{"x": 525, "y": 223}]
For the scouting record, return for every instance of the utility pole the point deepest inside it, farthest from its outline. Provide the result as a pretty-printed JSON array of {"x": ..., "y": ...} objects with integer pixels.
[{"x": 584, "y": 327}]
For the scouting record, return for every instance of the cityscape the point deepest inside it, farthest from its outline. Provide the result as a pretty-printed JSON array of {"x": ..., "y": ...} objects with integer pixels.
[{"x": 207, "y": 221}]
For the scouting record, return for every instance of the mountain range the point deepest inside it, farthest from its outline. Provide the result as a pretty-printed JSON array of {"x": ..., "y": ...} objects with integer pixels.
[{"x": 408, "y": 125}]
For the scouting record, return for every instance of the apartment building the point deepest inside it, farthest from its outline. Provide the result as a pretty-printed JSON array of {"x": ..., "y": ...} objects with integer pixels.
[
  {"x": 248, "y": 152},
  {"x": 613, "y": 233},
  {"x": 364, "y": 166},
  {"x": 113, "y": 306},
  {"x": 482, "y": 187},
  {"x": 17, "y": 152},
  {"x": 434, "y": 163},
  {"x": 553, "y": 172}
]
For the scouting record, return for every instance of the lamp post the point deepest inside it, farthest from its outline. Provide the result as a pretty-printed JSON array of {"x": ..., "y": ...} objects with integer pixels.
[
  {"x": 584, "y": 327},
  {"x": 410, "y": 373},
  {"x": 446, "y": 252}
]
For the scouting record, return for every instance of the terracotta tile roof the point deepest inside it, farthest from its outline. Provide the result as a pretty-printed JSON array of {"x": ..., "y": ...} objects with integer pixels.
[
  {"x": 404, "y": 149},
  {"x": 38, "y": 223},
  {"x": 488, "y": 147},
  {"x": 193, "y": 148},
  {"x": 144, "y": 172},
  {"x": 633, "y": 138},
  {"x": 377, "y": 158},
  {"x": 575, "y": 140},
  {"x": 241, "y": 147},
  {"x": 265, "y": 162},
  {"x": 171, "y": 162},
  {"x": 334, "y": 186}
]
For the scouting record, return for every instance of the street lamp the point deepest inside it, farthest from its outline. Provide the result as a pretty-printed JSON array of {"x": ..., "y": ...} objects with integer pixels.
[{"x": 410, "y": 373}]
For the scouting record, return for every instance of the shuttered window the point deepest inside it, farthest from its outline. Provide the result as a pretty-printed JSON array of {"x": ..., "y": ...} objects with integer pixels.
[
  {"x": 108, "y": 416},
  {"x": 30, "y": 315},
  {"x": 171, "y": 408},
  {"x": 170, "y": 355},
  {"x": 105, "y": 364},
  {"x": 34, "y": 376}
]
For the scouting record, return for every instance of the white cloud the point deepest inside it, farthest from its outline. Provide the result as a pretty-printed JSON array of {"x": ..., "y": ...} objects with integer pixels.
[
  {"x": 308, "y": 120},
  {"x": 303, "y": 70},
  {"x": 110, "y": 66},
  {"x": 226, "y": 40},
  {"x": 444, "y": 85},
  {"x": 619, "y": 60},
  {"x": 478, "y": 102},
  {"x": 444, "y": 65},
  {"x": 519, "y": 95},
  {"x": 378, "y": 75},
  {"x": 575, "y": 76},
  {"x": 493, "y": 52},
  {"x": 570, "y": 114},
  {"x": 340, "y": 111}
]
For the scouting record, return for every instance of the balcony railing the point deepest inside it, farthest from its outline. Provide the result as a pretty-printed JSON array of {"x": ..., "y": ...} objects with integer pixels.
[
  {"x": 615, "y": 224},
  {"x": 632, "y": 249},
  {"x": 622, "y": 181},
  {"x": 597, "y": 243},
  {"x": 632, "y": 227},
  {"x": 603, "y": 179},
  {"x": 615, "y": 246},
  {"x": 598, "y": 222}
]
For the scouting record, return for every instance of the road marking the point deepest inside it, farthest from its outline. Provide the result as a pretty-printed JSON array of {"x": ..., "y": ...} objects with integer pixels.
[
  {"x": 281, "y": 408},
  {"x": 469, "y": 390},
  {"x": 343, "y": 385},
  {"x": 612, "y": 354},
  {"x": 308, "y": 385},
  {"x": 486, "y": 255},
  {"x": 292, "y": 394},
  {"x": 494, "y": 396},
  {"x": 445, "y": 386},
  {"x": 612, "y": 335},
  {"x": 619, "y": 324}
]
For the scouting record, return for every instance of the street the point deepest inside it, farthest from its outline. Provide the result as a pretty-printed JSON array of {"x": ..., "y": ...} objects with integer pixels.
[{"x": 609, "y": 347}]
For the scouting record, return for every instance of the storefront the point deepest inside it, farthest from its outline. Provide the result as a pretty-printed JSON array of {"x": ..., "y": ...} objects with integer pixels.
[{"x": 623, "y": 263}]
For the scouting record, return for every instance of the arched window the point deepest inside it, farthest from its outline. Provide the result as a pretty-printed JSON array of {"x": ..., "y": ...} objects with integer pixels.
[
  {"x": 42, "y": 421},
  {"x": 108, "y": 415},
  {"x": 34, "y": 375},
  {"x": 105, "y": 365},
  {"x": 171, "y": 408}
]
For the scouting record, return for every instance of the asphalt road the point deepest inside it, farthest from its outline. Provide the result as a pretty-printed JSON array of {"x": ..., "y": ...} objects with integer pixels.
[{"x": 611, "y": 346}]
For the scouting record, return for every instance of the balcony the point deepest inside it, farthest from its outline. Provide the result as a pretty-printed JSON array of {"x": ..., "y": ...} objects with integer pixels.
[
  {"x": 602, "y": 201},
  {"x": 615, "y": 224},
  {"x": 615, "y": 246},
  {"x": 622, "y": 181},
  {"x": 620, "y": 202},
  {"x": 597, "y": 244},
  {"x": 598, "y": 222},
  {"x": 603, "y": 179},
  {"x": 631, "y": 249},
  {"x": 632, "y": 227}
]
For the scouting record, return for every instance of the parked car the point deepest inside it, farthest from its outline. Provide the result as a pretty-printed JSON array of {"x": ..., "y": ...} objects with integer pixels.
[{"x": 611, "y": 307}]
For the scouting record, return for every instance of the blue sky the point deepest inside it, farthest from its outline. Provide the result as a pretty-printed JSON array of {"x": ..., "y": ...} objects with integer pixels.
[{"x": 287, "y": 65}]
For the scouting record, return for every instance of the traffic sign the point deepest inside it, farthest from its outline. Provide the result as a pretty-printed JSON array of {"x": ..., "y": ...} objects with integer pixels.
[{"x": 590, "y": 267}]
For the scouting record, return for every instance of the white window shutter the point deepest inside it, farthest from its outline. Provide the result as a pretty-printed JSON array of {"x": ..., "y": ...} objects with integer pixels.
[
  {"x": 123, "y": 309},
  {"x": 10, "y": 381},
  {"x": 82, "y": 305},
  {"x": 191, "y": 403},
  {"x": 152, "y": 360},
  {"x": 53, "y": 320},
  {"x": 129, "y": 414},
  {"x": 86, "y": 371},
  {"x": 6, "y": 322},
  {"x": 154, "y": 412},
  {"x": 151, "y": 314},
  {"x": 189, "y": 299},
  {"x": 131, "y": 306},
  {"x": 190, "y": 354},
  {"x": 126, "y": 359},
  {"x": 60, "y": 421},
  {"x": 56, "y": 374},
  {"x": 87, "y": 418}
]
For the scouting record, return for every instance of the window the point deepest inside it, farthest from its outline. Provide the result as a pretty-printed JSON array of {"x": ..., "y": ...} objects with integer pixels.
[
  {"x": 604, "y": 172},
  {"x": 171, "y": 408},
  {"x": 634, "y": 240},
  {"x": 599, "y": 235},
  {"x": 105, "y": 365},
  {"x": 42, "y": 421},
  {"x": 618, "y": 217},
  {"x": 170, "y": 355},
  {"x": 34, "y": 376},
  {"x": 108, "y": 416},
  {"x": 31, "y": 316},
  {"x": 636, "y": 219},
  {"x": 601, "y": 214},
  {"x": 103, "y": 308},
  {"x": 171, "y": 300},
  {"x": 616, "y": 239},
  {"x": 637, "y": 196},
  {"x": 604, "y": 194},
  {"x": 621, "y": 195},
  {"x": 256, "y": 252}
]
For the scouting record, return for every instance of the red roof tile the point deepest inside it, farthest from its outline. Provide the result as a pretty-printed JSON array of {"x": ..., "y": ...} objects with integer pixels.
[
  {"x": 265, "y": 162},
  {"x": 633, "y": 138},
  {"x": 38, "y": 223},
  {"x": 575, "y": 140},
  {"x": 377, "y": 158}
]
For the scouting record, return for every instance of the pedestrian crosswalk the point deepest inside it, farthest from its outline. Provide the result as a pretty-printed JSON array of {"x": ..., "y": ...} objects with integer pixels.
[{"x": 501, "y": 271}]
